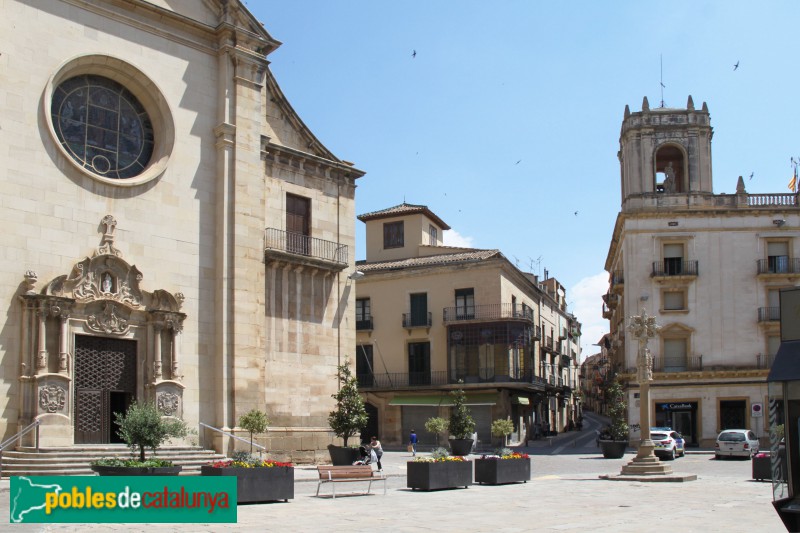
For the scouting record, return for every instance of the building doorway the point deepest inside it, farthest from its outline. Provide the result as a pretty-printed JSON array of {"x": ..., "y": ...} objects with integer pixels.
[
  {"x": 681, "y": 417},
  {"x": 732, "y": 414},
  {"x": 105, "y": 385}
]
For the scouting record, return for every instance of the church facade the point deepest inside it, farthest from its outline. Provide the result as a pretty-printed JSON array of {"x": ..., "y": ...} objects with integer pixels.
[{"x": 173, "y": 231}]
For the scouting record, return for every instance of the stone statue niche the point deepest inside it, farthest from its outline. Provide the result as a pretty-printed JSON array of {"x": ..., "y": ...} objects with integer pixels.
[{"x": 670, "y": 177}]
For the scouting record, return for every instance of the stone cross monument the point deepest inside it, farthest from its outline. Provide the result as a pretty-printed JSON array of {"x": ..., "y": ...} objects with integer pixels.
[{"x": 643, "y": 328}]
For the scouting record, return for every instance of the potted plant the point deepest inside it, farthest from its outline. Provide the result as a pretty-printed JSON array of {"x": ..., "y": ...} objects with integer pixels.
[
  {"x": 440, "y": 470},
  {"x": 614, "y": 438},
  {"x": 348, "y": 417},
  {"x": 437, "y": 426},
  {"x": 142, "y": 426},
  {"x": 502, "y": 428},
  {"x": 461, "y": 424},
  {"x": 505, "y": 466},
  {"x": 254, "y": 422},
  {"x": 257, "y": 480}
]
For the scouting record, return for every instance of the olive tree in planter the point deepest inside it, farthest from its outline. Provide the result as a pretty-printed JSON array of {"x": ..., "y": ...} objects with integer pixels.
[
  {"x": 614, "y": 438},
  {"x": 502, "y": 428},
  {"x": 254, "y": 422},
  {"x": 142, "y": 426},
  {"x": 462, "y": 425},
  {"x": 437, "y": 426},
  {"x": 349, "y": 416}
]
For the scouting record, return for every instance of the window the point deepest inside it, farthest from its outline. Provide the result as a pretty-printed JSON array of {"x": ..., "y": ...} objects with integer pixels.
[
  {"x": 778, "y": 257},
  {"x": 773, "y": 343},
  {"x": 433, "y": 235},
  {"x": 419, "y": 310},
  {"x": 673, "y": 259},
  {"x": 365, "y": 371},
  {"x": 393, "y": 235},
  {"x": 674, "y": 300},
  {"x": 102, "y": 126},
  {"x": 419, "y": 363},
  {"x": 298, "y": 224},
  {"x": 465, "y": 304},
  {"x": 363, "y": 314},
  {"x": 674, "y": 355}
]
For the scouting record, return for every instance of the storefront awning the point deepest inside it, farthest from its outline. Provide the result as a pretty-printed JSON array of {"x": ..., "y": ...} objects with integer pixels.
[
  {"x": 520, "y": 400},
  {"x": 477, "y": 398},
  {"x": 785, "y": 367}
]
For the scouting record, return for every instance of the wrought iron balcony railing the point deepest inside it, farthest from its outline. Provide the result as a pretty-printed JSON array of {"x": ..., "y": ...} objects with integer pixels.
[
  {"x": 769, "y": 314},
  {"x": 779, "y": 265},
  {"x": 287, "y": 243},
  {"x": 674, "y": 267},
  {"x": 364, "y": 324},
  {"x": 677, "y": 364},
  {"x": 399, "y": 380},
  {"x": 487, "y": 312},
  {"x": 417, "y": 320}
]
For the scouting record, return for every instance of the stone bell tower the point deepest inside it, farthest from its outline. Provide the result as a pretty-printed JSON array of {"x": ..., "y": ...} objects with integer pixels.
[{"x": 665, "y": 154}]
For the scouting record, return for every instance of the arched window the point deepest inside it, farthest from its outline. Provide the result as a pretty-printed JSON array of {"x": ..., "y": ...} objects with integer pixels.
[{"x": 670, "y": 175}]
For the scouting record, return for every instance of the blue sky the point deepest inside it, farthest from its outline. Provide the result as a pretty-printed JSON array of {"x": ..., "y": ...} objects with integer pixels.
[{"x": 507, "y": 120}]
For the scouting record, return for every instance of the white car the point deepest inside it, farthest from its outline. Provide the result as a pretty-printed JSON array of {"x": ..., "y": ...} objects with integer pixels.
[
  {"x": 666, "y": 444},
  {"x": 736, "y": 443}
]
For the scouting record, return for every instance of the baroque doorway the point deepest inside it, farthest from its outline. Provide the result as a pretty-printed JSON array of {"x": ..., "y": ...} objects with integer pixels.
[{"x": 105, "y": 384}]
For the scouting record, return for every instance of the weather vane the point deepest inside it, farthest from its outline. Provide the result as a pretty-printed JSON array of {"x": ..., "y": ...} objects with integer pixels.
[{"x": 661, "y": 81}]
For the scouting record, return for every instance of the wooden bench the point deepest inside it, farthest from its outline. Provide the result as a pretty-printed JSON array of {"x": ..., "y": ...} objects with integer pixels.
[{"x": 348, "y": 474}]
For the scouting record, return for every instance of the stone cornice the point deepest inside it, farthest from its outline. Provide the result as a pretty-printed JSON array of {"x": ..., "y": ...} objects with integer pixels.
[{"x": 269, "y": 148}]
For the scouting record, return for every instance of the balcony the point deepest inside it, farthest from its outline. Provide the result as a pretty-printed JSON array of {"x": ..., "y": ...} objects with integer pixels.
[
  {"x": 405, "y": 380},
  {"x": 487, "y": 312},
  {"x": 778, "y": 266},
  {"x": 674, "y": 268},
  {"x": 294, "y": 248},
  {"x": 364, "y": 325},
  {"x": 677, "y": 364},
  {"x": 417, "y": 320},
  {"x": 607, "y": 313},
  {"x": 548, "y": 343},
  {"x": 769, "y": 314}
]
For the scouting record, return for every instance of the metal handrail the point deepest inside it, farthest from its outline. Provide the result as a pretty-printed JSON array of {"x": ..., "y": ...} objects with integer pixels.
[
  {"x": 18, "y": 436},
  {"x": 232, "y": 436}
]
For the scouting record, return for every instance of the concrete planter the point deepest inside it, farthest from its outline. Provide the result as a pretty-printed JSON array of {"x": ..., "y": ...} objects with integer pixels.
[
  {"x": 258, "y": 485},
  {"x": 499, "y": 471},
  {"x": 137, "y": 470},
  {"x": 613, "y": 449},
  {"x": 762, "y": 467},
  {"x": 442, "y": 475},
  {"x": 342, "y": 455}
]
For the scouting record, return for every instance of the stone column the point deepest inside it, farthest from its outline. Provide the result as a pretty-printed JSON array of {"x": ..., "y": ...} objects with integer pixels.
[
  {"x": 157, "y": 363},
  {"x": 41, "y": 357},
  {"x": 63, "y": 336}
]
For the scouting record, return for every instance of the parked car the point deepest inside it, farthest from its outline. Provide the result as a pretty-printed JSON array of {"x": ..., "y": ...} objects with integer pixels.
[
  {"x": 680, "y": 449},
  {"x": 736, "y": 443},
  {"x": 666, "y": 444}
]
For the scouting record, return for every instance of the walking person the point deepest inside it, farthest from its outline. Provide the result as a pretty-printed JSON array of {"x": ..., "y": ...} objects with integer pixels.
[
  {"x": 412, "y": 441},
  {"x": 375, "y": 444}
]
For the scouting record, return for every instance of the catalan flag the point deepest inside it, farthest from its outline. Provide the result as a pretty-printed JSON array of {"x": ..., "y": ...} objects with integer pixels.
[{"x": 793, "y": 181}]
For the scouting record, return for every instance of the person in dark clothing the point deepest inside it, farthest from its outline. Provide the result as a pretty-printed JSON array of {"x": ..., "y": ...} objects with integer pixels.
[{"x": 412, "y": 441}]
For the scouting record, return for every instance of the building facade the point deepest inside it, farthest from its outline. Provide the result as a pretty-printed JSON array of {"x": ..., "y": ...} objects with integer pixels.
[
  {"x": 174, "y": 232},
  {"x": 707, "y": 266},
  {"x": 432, "y": 318}
]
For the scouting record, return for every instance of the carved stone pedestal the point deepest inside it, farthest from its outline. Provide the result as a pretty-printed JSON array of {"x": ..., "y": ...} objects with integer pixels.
[{"x": 646, "y": 466}]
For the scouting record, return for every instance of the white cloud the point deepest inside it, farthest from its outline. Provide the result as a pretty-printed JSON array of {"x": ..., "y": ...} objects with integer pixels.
[
  {"x": 586, "y": 304},
  {"x": 454, "y": 238}
]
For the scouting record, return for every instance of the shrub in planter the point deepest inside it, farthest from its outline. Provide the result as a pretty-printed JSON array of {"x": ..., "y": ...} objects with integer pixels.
[
  {"x": 257, "y": 480},
  {"x": 502, "y": 428},
  {"x": 254, "y": 422},
  {"x": 141, "y": 427},
  {"x": 503, "y": 467},
  {"x": 461, "y": 425},
  {"x": 349, "y": 416},
  {"x": 438, "y": 471},
  {"x": 614, "y": 438}
]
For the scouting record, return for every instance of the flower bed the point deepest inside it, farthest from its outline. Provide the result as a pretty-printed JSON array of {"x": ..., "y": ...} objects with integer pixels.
[
  {"x": 434, "y": 473},
  {"x": 257, "y": 480},
  {"x": 506, "y": 468}
]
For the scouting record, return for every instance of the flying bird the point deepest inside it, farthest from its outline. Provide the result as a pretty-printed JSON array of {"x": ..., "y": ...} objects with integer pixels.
[
  {"x": 736, "y": 66},
  {"x": 414, "y": 54},
  {"x": 576, "y": 213},
  {"x": 518, "y": 162},
  {"x": 751, "y": 175}
]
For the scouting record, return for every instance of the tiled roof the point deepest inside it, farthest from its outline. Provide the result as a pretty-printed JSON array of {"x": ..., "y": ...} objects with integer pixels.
[
  {"x": 401, "y": 210},
  {"x": 468, "y": 256}
]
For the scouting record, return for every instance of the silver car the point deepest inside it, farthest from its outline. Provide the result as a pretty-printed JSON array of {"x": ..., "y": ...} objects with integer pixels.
[{"x": 736, "y": 443}]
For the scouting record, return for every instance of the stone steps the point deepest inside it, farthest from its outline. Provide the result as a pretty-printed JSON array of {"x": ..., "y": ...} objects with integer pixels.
[{"x": 75, "y": 460}]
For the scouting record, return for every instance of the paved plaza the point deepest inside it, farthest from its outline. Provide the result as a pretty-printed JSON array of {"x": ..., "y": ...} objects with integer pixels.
[{"x": 564, "y": 494}]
